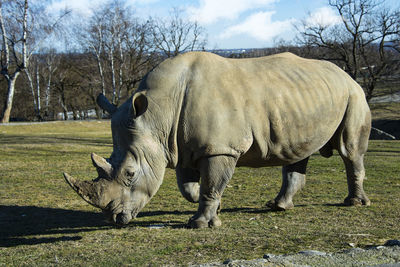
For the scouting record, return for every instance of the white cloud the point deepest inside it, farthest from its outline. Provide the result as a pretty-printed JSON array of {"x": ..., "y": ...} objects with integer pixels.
[
  {"x": 259, "y": 26},
  {"x": 211, "y": 11},
  {"x": 324, "y": 16}
]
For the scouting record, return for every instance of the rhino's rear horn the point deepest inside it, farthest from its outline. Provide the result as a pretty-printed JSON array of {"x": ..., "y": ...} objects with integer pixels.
[
  {"x": 104, "y": 169},
  {"x": 103, "y": 102}
]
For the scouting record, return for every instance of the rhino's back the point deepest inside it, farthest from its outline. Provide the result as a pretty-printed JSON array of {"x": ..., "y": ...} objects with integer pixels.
[{"x": 267, "y": 111}]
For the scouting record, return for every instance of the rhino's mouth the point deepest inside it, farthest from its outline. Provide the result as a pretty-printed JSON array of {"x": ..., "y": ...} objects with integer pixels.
[
  {"x": 118, "y": 215},
  {"x": 118, "y": 218}
]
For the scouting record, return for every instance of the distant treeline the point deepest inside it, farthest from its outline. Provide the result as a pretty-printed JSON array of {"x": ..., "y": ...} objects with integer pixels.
[{"x": 74, "y": 83}]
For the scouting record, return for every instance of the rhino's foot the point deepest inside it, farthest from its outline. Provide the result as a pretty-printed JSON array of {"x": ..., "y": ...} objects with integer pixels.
[
  {"x": 197, "y": 223},
  {"x": 202, "y": 223},
  {"x": 280, "y": 205},
  {"x": 357, "y": 201},
  {"x": 215, "y": 222}
]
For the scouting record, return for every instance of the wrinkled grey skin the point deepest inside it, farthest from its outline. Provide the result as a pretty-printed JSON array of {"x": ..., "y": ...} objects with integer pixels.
[{"x": 203, "y": 115}]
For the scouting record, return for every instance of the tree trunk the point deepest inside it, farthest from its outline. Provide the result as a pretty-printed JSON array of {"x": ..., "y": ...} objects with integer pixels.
[
  {"x": 39, "y": 108},
  {"x": 63, "y": 105},
  {"x": 9, "y": 100},
  {"x": 75, "y": 114},
  {"x": 113, "y": 82},
  {"x": 121, "y": 65},
  {"x": 65, "y": 112},
  {"x": 47, "y": 95},
  {"x": 99, "y": 112},
  {"x": 100, "y": 68},
  {"x": 28, "y": 75}
]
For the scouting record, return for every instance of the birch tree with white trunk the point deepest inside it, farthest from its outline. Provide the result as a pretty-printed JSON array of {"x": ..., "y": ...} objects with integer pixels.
[
  {"x": 14, "y": 58},
  {"x": 24, "y": 27}
]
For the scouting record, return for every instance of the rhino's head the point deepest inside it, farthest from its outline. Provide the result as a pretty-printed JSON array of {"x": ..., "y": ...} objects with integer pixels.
[{"x": 134, "y": 172}]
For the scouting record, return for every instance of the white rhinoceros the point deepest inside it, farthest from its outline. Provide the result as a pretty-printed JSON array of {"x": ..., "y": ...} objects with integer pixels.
[{"x": 203, "y": 114}]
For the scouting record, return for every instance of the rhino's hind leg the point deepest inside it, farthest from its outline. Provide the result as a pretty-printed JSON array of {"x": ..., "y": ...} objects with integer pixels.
[
  {"x": 293, "y": 179},
  {"x": 188, "y": 183},
  {"x": 352, "y": 146},
  {"x": 352, "y": 154},
  {"x": 215, "y": 173},
  {"x": 355, "y": 176}
]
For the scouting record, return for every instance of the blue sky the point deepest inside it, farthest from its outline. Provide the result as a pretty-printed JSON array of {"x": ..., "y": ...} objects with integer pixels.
[{"x": 230, "y": 23}]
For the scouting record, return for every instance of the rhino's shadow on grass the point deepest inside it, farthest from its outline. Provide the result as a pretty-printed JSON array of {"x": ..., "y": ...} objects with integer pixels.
[
  {"x": 21, "y": 225},
  {"x": 18, "y": 223}
]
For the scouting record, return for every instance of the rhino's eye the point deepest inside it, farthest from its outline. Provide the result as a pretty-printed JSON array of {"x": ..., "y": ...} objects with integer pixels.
[
  {"x": 130, "y": 177},
  {"x": 129, "y": 173}
]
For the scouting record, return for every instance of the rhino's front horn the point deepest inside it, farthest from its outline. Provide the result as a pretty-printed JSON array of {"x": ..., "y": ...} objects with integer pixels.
[{"x": 86, "y": 189}]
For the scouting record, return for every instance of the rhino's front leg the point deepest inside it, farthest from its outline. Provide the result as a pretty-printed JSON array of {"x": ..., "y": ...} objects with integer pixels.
[
  {"x": 293, "y": 179},
  {"x": 188, "y": 183},
  {"x": 215, "y": 173}
]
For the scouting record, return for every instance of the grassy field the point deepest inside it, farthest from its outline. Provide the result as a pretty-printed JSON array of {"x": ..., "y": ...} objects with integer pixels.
[
  {"x": 43, "y": 222},
  {"x": 387, "y": 111}
]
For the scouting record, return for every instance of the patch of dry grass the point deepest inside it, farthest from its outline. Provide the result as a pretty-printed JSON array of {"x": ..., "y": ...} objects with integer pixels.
[
  {"x": 43, "y": 222},
  {"x": 389, "y": 111}
]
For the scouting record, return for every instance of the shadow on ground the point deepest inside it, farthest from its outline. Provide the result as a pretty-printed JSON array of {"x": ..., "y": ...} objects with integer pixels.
[
  {"x": 24, "y": 225},
  {"x": 51, "y": 139},
  {"x": 17, "y": 223},
  {"x": 21, "y": 225}
]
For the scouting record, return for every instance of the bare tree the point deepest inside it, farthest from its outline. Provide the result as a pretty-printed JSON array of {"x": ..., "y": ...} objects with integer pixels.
[
  {"x": 116, "y": 27},
  {"x": 39, "y": 75},
  {"x": 34, "y": 84},
  {"x": 121, "y": 45},
  {"x": 23, "y": 31},
  {"x": 177, "y": 35},
  {"x": 14, "y": 55},
  {"x": 93, "y": 37},
  {"x": 69, "y": 84},
  {"x": 360, "y": 44},
  {"x": 140, "y": 54},
  {"x": 52, "y": 61},
  {"x": 104, "y": 37}
]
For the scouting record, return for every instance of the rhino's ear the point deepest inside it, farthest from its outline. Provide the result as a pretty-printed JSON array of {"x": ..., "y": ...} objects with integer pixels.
[{"x": 139, "y": 104}]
